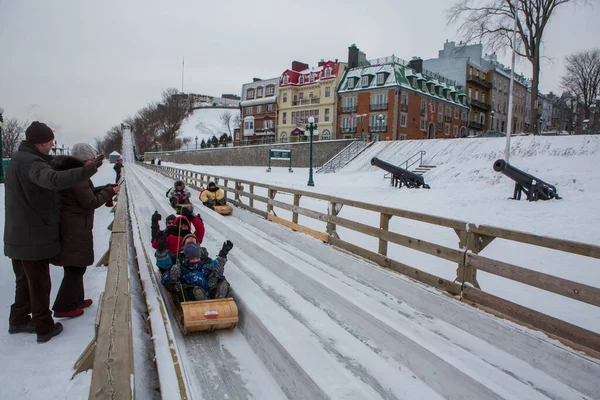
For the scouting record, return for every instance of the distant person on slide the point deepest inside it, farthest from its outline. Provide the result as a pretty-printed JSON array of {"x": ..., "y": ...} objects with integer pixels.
[{"x": 212, "y": 196}]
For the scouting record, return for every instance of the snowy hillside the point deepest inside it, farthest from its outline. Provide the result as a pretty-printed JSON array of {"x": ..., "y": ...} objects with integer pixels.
[{"x": 206, "y": 122}]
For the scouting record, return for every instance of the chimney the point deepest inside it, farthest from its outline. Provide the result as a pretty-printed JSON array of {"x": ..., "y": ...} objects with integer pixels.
[
  {"x": 416, "y": 64},
  {"x": 352, "y": 56},
  {"x": 299, "y": 66},
  {"x": 322, "y": 62},
  {"x": 256, "y": 79}
]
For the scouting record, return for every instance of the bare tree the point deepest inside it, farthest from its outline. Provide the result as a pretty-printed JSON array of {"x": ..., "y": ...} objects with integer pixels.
[
  {"x": 237, "y": 121},
  {"x": 99, "y": 145},
  {"x": 226, "y": 120},
  {"x": 491, "y": 21},
  {"x": 170, "y": 115},
  {"x": 583, "y": 78},
  {"x": 12, "y": 134},
  {"x": 113, "y": 140}
]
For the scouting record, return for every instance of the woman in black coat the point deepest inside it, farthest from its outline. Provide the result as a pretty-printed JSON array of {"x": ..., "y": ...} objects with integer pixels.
[{"x": 77, "y": 205}]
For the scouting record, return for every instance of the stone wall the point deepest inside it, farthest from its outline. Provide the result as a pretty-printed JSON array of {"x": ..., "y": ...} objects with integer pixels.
[{"x": 256, "y": 156}]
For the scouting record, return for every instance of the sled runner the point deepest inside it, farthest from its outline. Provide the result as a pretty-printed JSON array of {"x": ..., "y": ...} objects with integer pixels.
[{"x": 207, "y": 315}]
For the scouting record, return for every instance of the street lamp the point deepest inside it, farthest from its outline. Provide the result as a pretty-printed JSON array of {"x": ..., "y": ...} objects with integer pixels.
[
  {"x": 362, "y": 126},
  {"x": 380, "y": 122},
  {"x": 196, "y": 142},
  {"x": 1, "y": 159},
  {"x": 492, "y": 125},
  {"x": 541, "y": 123},
  {"x": 312, "y": 130}
]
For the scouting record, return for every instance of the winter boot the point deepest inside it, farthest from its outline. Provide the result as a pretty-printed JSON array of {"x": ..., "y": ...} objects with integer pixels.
[
  {"x": 199, "y": 294},
  {"x": 24, "y": 328},
  {"x": 58, "y": 328},
  {"x": 222, "y": 289},
  {"x": 68, "y": 314},
  {"x": 86, "y": 303}
]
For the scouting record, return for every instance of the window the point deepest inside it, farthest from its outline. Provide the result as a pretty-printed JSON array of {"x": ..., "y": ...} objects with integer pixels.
[
  {"x": 364, "y": 81},
  {"x": 405, "y": 99},
  {"x": 380, "y": 79},
  {"x": 423, "y": 105},
  {"x": 403, "y": 136},
  {"x": 284, "y": 118},
  {"x": 403, "y": 118},
  {"x": 268, "y": 124},
  {"x": 375, "y": 122},
  {"x": 470, "y": 93},
  {"x": 349, "y": 104},
  {"x": 286, "y": 80},
  {"x": 328, "y": 72},
  {"x": 456, "y": 131},
  {"x": 258, "y": 109},
  {"x": 311, "y": 78},
  {"x": 477, "y": 95},
  {"x": 455, "y": 112},
  {"x": 448, "y": 111},
  {"x": 270, "y": 91},
  {"x": 423, "y": 124},
  {"x": 259, "y": 92},
  {"x": 327, "y": 91},
  {"x": 301, "y": 95},
  {"x": 482, "y": 122},
  {"x": 269, "y": 107},
  {"x": 301, "y": 80},
  {"x": 470, "y": 72},
  {"x": 248, "y": 110},
  {"x": 326, "y": 135},
  {"x": 285, "y": 97},
  {"x": 447, "y": 131},
  {"x": 250, "y": 94},
  {"x": 327, "y": 114},
  {"x": 379, "y": 98},
  {"x": 283, "y": 138},
  {"x": 348, "y": 123},
  {"x": 351, "y": 83},
  {"x": 483, "y": 97},
  {"x": 477, "y": 74},
  {"x": 464, "y": 116},
  {"x": 310, "y": 95},
  {"x": 424, "y": 85},
  {"x": 249, "y": 125}
]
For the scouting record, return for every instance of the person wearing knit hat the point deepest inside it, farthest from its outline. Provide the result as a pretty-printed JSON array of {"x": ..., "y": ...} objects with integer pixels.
[
  {"x": 77, "y": 206},
  {"x": 118, "y": 167},
  {"x": 30, "y": 201},
  {"x": 83, "y": 152}
]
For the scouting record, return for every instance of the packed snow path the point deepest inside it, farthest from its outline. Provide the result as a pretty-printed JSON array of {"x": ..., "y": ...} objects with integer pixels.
[{"x": 319, "y": 323}]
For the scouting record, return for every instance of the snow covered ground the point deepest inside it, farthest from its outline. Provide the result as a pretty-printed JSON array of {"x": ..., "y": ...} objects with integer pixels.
[
  {"x": 206, "y": 122},
  {"x": 319, "y": 323}
]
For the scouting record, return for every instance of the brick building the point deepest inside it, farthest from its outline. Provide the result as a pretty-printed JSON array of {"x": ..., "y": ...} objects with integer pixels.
[
  {"x": 258, "y": 112},
  {"x": 389, "y": 99}
]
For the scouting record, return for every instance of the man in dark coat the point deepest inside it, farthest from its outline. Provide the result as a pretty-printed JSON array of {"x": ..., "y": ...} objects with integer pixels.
[
  {"x": 31, "y": 234},
  {"x": 118, "y": 166},
  {"x": 77, "y": 205}
]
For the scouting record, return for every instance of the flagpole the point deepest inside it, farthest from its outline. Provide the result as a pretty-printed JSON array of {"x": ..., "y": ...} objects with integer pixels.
[
  {"x": 512, "y": 84},
  {"x": 182, "y": 70}
]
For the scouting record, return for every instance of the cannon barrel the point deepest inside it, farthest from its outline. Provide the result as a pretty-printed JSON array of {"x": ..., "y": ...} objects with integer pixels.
[
  {"x": 408, "y": 178},
  {"x": 533, "y": 186}
]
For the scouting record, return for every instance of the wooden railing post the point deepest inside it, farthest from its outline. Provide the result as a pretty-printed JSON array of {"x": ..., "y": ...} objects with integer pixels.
[
  {"x": 225, "y": 183},
  {"x": 474, "y": 243},
  {"x": 384, "y": 224},
  {"x": 334, "y": 209},
  {"x": 272, "y": 193},
  {"x": 296, "y": 204},
  {"x": 251, "y": 199}
]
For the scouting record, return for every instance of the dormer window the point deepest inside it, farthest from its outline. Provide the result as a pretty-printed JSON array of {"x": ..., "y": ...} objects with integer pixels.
[
  {"x": 414, "y": 82},
  {"x": 286, "y": 80},
  {"x": 259, "y": 92},
  {"x": 424, "y": 85},
  {"x": 364, "y": 81},
  {"x": 351, "y": 83},
  {"x": 270, "y": 91},
  {"x": 311, "y": 78},
  {"x": 250, "y": 94},
  {"x": 380, "y": 78},
  {"x": 328, "y": 72},
  {"x": 301, "y": 79}
]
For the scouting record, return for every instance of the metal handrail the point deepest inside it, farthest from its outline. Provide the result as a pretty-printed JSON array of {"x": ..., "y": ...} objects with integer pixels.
[
  {"x": 421, "y": 153},
  {"x": 343, "y": 157}
]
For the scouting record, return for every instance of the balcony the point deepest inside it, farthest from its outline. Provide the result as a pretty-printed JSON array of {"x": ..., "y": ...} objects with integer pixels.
[
  {"x": 349, "y": 109},
  {"x": 479, "y": 81},
  {"x": 480, "y": 105},
  {"x": 377, "y": 128},
  {"x": 404, "y": 107},
  {"x": 315, "y": 100},
  {"x": 476, "y": 125},
  {"x": 379, "y": 106},
  {"x": 349, "y": 129}
]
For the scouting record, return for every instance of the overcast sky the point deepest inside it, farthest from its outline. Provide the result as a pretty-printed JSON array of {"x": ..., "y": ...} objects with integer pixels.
[{"x": 83, "y": 66}]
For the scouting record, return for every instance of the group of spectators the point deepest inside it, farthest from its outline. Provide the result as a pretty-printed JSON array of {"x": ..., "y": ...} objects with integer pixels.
[{"x": 50, "y": 203}]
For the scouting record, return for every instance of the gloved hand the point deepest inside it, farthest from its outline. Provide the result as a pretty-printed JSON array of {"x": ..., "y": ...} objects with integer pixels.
[
  {"x": 162, "y": 244},
  {"x": 186, "y": 212},
  {"x": 110, "y": 203},
  {"x": 98, "y": 161},
  {"x": 156, "y": 217},
  {"x": 227, "y": 246},
  {"x": 200, "y": 218}
]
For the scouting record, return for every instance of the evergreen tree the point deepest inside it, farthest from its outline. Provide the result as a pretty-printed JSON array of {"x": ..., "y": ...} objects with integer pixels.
[{"x": 202, "y": 144}]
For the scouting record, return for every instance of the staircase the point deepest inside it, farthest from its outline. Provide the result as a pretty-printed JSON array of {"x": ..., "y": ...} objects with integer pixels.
[
  {"x": 342, "y": 158},
  {"x": 416, "y": 158}
]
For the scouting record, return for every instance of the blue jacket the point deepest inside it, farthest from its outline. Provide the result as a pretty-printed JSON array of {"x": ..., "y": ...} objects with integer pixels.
[{"x": 204, "y": 274}]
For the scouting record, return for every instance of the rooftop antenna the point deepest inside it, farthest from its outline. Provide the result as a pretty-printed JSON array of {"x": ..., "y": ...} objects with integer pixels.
[{"x": 182, "y": 69}]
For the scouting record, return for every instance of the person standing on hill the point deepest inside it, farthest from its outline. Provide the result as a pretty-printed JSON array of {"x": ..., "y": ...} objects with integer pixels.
[
  {"x": 77, "y": 205},
  {"x": 31, "y": 231},
  {"x": 118, "y": 167}
]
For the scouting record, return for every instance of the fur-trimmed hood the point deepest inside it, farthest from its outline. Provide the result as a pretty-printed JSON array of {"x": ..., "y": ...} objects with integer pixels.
[{"x": 63, "y": 163}]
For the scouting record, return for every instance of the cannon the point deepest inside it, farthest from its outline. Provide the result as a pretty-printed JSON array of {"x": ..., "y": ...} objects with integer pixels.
[
  {"x": 535, "y": 189},
  {"x": 400, "y": 176}
]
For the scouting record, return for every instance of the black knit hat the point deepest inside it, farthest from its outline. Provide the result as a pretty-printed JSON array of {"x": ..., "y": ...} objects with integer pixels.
[
  {"x": 191, "y": 250},
  {"x": 170, "y": 218},
  {"x": 38, "y": 133}
]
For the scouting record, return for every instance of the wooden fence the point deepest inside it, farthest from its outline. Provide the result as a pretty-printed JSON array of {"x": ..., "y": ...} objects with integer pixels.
[{"x": 472, "y": 240}]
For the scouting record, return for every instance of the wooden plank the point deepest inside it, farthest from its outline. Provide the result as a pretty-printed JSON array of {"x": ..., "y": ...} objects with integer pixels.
[
  {"x": 534, "y": 318},
  {"x": 384, "y": 224},
  {"x": 300, "y": 228},
  {"x": 411, "y": 272},
  {"x": 563, "y": 287},
  {"x": 120, "y": 221},
  {"x": 297, "y": 204},
  {"x": 113, "y": 360},
  {"x": 584, "y": 249},
  {"x": 245, "y": 207}
]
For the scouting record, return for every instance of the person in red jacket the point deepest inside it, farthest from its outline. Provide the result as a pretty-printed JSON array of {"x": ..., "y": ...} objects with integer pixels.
[{"x": 173, "y": 235}]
